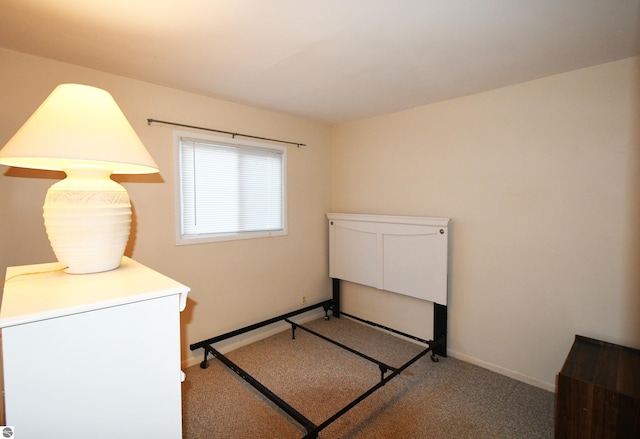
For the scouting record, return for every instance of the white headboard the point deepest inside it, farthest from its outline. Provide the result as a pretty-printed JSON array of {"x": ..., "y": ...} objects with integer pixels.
[{"x": 401, "y": 254}]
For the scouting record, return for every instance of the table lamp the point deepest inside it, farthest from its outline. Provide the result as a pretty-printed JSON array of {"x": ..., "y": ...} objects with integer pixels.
[{"x": 81, "y": 130}]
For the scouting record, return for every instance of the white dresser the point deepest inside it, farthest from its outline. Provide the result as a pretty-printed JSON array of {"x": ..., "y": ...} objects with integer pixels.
[{"x": 92, "y": 356}]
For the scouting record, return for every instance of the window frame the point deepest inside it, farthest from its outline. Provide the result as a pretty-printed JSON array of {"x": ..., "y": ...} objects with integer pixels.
[{"x": 181, "y": 238}]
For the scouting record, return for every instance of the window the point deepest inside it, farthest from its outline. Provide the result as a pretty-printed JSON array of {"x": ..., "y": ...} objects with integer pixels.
[{"x": 229, "y": 189}]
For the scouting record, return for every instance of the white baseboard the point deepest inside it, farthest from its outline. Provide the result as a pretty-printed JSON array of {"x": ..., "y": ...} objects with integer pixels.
[
  {"x": 256, "y": 335},
  {"x": 551, "y": 387}
]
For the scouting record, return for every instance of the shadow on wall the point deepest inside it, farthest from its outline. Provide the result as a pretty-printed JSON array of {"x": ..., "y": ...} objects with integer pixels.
[
  {"x": 631, "y": 312},
  {"x": 34, "y": 173},
  {"x": 128, "y": 251},
  {"x": 135, "y": 178}
]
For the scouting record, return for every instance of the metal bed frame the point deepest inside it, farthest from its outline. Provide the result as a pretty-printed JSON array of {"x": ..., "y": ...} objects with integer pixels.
[{"x": 387, "y": 372}]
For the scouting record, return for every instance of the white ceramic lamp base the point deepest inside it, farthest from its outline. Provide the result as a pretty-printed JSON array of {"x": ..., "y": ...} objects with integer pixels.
[{"x": 88, "y": 219}]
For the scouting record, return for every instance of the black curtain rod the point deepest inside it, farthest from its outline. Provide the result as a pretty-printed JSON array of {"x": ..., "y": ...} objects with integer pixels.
[{"x": 233, "y": 135}]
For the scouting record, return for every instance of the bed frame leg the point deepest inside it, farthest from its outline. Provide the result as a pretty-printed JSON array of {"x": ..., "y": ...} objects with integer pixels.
[
  {"x": 439, "y": 331},
  {"x": 383, "y": 370},
  {"x": 205, "y": 363},
  {"x": 326, "y": 311},
  {"x": 336, "y": 297},
  {"x": 293, "y": 329}
]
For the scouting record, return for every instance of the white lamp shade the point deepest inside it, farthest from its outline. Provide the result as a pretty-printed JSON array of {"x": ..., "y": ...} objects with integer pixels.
[{"x": 78, "y": 124}]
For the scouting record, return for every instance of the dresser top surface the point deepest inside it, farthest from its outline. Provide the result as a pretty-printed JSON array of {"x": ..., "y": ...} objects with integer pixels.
[
  {"x": 44, "y": 291},
  {"x": 604, "y": 364}
]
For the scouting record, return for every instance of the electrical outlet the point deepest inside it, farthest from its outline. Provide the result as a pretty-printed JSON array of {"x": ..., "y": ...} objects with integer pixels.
[{"x": 303, "y": 300}]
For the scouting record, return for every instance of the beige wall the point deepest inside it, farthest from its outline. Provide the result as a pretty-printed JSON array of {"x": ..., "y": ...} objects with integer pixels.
[
  {"x": 233, "y": 283},
  {"x": 541, "y": 182}
]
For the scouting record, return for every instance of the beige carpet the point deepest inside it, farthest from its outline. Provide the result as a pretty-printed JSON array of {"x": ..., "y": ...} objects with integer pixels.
[{"x": 448, "y": 399}]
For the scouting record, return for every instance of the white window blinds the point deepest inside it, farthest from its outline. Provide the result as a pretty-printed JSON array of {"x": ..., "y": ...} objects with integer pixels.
[{"x": 230, "y": 189}]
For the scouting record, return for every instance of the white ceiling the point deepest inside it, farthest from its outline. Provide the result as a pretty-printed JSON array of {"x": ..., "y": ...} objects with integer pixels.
[{"x": 331, "y": 61}]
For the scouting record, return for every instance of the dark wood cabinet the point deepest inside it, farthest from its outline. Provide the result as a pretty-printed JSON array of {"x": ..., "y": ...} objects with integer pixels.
[{"x": 598, "y": 392}]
